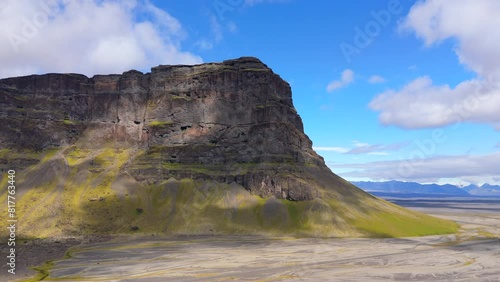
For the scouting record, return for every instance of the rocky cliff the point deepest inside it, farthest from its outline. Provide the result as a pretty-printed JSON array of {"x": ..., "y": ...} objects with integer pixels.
[
  {"x": 211, "y": 121},
  {"x": 180, "y": 144}
]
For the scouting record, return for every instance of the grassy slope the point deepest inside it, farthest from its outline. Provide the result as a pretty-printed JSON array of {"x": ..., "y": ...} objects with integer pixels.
[{"x": 76, "y": 191}]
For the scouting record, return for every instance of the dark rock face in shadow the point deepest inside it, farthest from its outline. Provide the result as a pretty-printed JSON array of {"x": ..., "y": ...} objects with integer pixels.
[
  {"x": 231, "y": 122},
  {"x": 208, "y": 149}
]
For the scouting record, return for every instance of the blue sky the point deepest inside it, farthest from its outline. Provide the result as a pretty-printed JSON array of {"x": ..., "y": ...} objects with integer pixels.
[{"x": 393, "y": 89}]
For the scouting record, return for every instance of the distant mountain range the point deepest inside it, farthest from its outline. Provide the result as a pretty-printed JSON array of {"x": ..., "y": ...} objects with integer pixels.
[
  {"x": 484, "y": 190},
  {"x": 399, "y": 187}
]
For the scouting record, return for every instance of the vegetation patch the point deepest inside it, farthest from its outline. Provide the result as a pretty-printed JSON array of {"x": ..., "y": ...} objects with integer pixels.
[
  {"x": 160, "y": 124},
  {"x": 255, "y": 69},
  {"x": 43, "y": 271},
  {"x": 185, "y": 98},
  {"x": 263, "y": 106},
  {"x": 75, "y": 155},
  {"x": 49, "y": 154},
  {"x": 4, "y": 153},
  {"x": 409, "y": 224}
]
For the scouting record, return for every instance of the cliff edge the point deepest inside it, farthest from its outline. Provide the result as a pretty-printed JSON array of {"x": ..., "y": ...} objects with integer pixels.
[{"x": 206, "y": 149}]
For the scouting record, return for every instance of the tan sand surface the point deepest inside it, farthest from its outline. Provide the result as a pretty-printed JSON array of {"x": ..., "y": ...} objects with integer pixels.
[{"x": 471, "y": 255}]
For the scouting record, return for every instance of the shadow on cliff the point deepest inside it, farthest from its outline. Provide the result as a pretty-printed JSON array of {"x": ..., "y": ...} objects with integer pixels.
[
  {"x": 241, "y": 113},
  {"x": 246, "y": 119}
]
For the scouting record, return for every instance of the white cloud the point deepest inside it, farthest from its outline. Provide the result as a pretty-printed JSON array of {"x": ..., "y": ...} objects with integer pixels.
[
  {"x": 331, "y": 149},
  {"x": 378, "y": 153},
  {"x": 88, "y": 36},
  {"x": 363, "y": 148},
  {"x": 376, "y": 149},
  {"x": 356, "y": 143},
  {"x": 473, "y": 24},
  {"x": 421, "y": 104},
  {"x": 347, "y": 77},
  {"x": 376, "y": 79},
  {"x": 475, "y": 169}
]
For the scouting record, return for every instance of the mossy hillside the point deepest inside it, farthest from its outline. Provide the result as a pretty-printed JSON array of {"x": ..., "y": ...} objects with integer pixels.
[
  {"x": 85, "y": 198},
  {"x": 73, "y": 155},
  {"x": 48, "y": 154},
  {"x": 24, "y": 159},
  {"x": 54, "y": 206},
  {"x": 388, "y": 220}
]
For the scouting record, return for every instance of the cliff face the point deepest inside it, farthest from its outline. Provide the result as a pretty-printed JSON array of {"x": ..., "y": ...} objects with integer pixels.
[
  {"x": 225, "y": 118},
  {"x": 212, "y": 148}
]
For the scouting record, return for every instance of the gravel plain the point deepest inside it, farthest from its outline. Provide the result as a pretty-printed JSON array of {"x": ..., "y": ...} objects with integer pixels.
[{"x": 473, "y": 254}]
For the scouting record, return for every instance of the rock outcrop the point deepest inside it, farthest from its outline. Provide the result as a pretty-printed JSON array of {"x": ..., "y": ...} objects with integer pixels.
[
  {"x": 211, "y": 148},
  {"x": 230, "y": 122}
]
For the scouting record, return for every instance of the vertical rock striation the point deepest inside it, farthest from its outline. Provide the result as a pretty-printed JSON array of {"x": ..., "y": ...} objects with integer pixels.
[
  {"x": 231, "y": 122},
  {"x": 215, "y": 148}
]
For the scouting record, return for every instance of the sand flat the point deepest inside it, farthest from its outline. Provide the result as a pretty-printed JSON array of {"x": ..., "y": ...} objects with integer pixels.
[{"x": 471, "y": 255}]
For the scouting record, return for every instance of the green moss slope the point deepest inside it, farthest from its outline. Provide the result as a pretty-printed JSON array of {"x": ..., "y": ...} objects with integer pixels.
[{"x": 75, "y": 191}]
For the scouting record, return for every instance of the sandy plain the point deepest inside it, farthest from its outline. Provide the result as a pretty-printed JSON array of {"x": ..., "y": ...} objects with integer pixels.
[{"x": 473, "y": 254}]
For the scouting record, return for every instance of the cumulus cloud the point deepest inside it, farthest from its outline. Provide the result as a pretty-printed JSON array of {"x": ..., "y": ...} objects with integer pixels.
[
  {"x": 471, "y": 169},
  {"x": 376, "y": 79},
  {"x": 420, "y": 104},
  {"x": 88, "y": 36},
  {"x": 347, "y": 77}
]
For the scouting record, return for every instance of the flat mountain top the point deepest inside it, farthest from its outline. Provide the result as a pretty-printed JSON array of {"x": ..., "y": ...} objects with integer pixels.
[{"x": 215, "y": 148}]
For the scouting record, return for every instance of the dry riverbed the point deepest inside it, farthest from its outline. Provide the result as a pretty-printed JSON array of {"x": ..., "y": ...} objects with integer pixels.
[{"x": 471, "y": 255}]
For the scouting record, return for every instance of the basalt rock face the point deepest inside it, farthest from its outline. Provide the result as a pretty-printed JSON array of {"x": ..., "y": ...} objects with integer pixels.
[
  {"x": 230, "y": 122},
  {"x": 205, "y": 149}
]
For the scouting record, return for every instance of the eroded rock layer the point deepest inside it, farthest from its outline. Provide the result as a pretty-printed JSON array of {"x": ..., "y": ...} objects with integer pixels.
[
  {"x": 231, "y": 122},
  {"x": 205, "y": 149}
]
